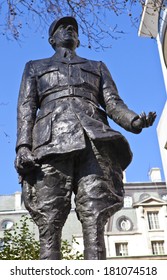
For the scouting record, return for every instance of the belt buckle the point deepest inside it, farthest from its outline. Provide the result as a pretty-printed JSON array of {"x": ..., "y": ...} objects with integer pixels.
[{"x": 71, "y": 90}]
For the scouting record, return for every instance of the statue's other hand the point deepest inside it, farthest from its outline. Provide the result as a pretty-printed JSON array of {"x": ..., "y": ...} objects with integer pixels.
[
  {"x": 24, "y": 161},
  {"x": 147, "y": 120},
  {"x": 144, "y": 120}
]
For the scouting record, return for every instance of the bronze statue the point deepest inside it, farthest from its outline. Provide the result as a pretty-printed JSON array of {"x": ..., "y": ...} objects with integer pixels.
[{"x": 65, "y": 144}]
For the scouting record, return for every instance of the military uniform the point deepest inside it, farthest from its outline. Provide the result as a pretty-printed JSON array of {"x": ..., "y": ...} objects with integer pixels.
[{"x": 62, "y": 118}]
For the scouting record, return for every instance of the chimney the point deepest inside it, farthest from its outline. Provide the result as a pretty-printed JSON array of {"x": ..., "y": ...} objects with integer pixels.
[
  {"x": 155, "y": 174},
  {"x": 17, "y": 200}
]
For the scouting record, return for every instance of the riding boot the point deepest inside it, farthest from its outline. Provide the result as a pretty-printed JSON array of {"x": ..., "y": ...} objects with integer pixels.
[
  {"x": 94, "y": 245},
  {"x": 94, "y": 254},
  {"x": 50, "y": 244}
]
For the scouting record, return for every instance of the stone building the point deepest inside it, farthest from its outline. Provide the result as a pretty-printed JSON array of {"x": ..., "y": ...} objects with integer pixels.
[
  {"x": 139, "y": 229},
  {"x": 154, "y": 25}
]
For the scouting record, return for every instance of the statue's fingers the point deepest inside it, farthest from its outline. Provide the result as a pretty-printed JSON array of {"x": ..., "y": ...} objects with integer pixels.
[
  {"x": 142, "y": 115},
  {"x": 150, "y": 119}
]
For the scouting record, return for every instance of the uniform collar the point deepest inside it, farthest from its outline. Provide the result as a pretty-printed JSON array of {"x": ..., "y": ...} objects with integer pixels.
[
  {"x": 65, "y": 53},
  {"x": 67, "y": 56}
]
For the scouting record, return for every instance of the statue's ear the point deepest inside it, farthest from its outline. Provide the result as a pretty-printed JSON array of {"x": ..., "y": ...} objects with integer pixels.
[{"x": 51, "y": 40}]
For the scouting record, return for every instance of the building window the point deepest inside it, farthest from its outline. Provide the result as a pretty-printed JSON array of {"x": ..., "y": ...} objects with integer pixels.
[
  {"x": 121, "y": 249},
  {"x": 6, "y": 224},
  {"x": 153, "y": 220},
  {"x": 157, "y": 247},
  {"x": 124, "y": 224},
  {"x": 127, "y": 201}
]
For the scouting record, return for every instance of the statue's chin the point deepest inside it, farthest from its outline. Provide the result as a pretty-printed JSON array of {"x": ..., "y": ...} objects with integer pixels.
[{"x": 69, "y": 43}]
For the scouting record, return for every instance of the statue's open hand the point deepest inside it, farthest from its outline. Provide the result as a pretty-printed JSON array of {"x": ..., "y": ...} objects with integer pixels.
[
  {"x": 24, "y": 162},
  {"x": 144, "y": 120}
]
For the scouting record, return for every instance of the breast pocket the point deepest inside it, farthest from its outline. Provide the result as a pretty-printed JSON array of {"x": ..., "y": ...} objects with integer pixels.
[
  {"x": 48, "y": 80},
  {"x": 90, "y": 76}
]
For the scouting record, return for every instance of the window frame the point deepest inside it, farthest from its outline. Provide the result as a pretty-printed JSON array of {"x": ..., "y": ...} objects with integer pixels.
[
  {"x": 121, "y": 247},
  {"x": 158, "y": 249},
  {"x": 153, "y": 220}
]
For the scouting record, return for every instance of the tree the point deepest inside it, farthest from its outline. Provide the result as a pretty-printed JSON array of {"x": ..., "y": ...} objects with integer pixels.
[
  {"x": 67, "y": 251},
  {"x": 19, "y": 243},
  {"x": 91, "y": 16}
]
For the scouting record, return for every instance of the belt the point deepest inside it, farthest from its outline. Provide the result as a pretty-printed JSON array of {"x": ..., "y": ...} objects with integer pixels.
[{"x": 71, "y": 92}]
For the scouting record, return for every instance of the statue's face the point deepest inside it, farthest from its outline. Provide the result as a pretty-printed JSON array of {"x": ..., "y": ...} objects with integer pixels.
[{"x": 65, "y": 36}]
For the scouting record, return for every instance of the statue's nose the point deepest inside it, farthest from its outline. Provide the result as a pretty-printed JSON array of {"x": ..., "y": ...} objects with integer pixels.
[{"x": 70, "y": 27}]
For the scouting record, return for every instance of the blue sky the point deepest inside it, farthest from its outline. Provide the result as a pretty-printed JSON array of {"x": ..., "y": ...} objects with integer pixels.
[{"x": 135, "y": 66}]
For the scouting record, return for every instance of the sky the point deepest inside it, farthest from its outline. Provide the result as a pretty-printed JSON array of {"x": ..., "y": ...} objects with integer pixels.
[{"x": 135, "y": 66}]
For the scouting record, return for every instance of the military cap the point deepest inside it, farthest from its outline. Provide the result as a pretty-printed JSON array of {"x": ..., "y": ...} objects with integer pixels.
[{"x": 56, "y": 23}]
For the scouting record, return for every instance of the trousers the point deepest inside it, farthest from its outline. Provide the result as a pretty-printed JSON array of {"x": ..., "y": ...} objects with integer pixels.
[{"x": 95, "y": 176}]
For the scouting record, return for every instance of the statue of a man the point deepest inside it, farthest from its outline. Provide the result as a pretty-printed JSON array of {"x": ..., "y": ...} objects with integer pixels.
[{"x": 65, "y": 144}]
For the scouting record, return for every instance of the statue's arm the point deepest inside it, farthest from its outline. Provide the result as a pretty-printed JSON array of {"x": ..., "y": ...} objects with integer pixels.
[
  {"x": 117, "y": 110},
  {"x": 26, "y": 114}
]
